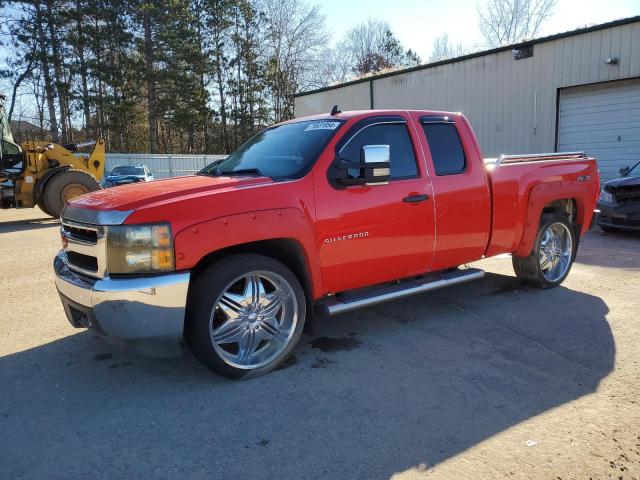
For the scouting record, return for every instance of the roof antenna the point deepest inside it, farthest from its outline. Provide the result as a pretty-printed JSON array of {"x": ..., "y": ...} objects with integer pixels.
[{"x": 335, "y": 110}]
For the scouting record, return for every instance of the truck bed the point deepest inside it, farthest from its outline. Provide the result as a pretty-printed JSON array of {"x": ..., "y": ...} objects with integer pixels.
[{"x": 520, "y": 184}]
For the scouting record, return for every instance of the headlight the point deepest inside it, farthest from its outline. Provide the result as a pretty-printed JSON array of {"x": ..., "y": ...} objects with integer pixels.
[
  {"x": 139, "y": 249},
  {"x": 607, "y": 197}
]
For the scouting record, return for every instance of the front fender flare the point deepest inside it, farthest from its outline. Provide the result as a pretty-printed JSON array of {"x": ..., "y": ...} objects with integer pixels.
[{"x": 194, "y": 243}]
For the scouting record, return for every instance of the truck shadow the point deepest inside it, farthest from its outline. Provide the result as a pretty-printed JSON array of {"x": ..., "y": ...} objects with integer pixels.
[
  {"x": 386, "y": 389},
  {"x": 612, "y": 250},
  {"x": 28, "y": 224}
]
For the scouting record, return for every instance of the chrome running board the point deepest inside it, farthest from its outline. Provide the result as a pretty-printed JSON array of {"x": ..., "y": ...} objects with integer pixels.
[{"x": 347, "y": 302}]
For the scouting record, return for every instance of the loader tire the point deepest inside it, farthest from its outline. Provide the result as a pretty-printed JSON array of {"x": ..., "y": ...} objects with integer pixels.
[
  {"x": 43, "y": 207},
  {"x": 65, "y": 186}
]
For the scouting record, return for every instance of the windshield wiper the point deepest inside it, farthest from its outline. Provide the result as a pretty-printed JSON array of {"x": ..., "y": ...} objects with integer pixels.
[{"x": 241, "y": 171}]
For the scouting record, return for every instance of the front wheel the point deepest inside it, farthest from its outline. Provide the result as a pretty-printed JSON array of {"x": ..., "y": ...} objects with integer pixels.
[
  {"x": 552, "y": 254},
  {"x": 245, "y": 315}
]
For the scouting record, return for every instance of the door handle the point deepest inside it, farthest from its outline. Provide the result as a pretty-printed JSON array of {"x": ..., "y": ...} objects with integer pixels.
[{"x": 415, "y": 198}]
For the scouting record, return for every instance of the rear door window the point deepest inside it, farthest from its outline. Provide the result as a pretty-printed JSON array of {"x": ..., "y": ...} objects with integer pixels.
[{"x": 446, "y": 148}]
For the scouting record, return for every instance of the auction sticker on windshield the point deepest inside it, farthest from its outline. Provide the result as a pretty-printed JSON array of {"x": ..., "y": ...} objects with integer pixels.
[{"x": 322, "y": 126}]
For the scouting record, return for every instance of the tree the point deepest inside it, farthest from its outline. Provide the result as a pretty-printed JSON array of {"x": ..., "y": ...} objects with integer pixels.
[
  {"x": 411, "y": 59},
  {"x": 504, "y": 22},
  {"x": 161, "y": 75},
  {"x": 372, "y": 47},
  {"x": 217, "y": 21},
  {"x": 296, "y": 37},
  {"x": 444, "y": 48},
  {"x": 22, "y": 62}
]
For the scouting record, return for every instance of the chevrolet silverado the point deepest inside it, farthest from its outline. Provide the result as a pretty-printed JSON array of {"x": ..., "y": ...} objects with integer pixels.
[{"x": 326, "y": 213}]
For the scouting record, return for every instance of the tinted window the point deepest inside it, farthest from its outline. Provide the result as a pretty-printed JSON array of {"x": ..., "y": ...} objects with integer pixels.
[
  {"x": 282, "y": 152},
  {"x": 127, "y": 170},
  {"x": 403, "y": 160},
  {"x": 446, "y": 148}
]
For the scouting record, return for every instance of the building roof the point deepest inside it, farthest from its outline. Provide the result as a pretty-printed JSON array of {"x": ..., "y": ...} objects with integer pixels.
[{"x": 557, "y": 36}]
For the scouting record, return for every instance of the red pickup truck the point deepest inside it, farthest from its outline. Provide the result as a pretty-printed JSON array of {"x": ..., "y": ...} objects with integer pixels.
[{"x": 331, "y": 213}]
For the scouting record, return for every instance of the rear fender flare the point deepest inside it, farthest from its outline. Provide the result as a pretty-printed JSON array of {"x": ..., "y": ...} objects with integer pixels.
[{"x": 542, "y": 195}]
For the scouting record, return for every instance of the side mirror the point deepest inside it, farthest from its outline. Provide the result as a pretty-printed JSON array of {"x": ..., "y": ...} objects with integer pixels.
[
  {"x": 624, "y": 170},
  {"x": 374, "y": 168},
  {"x": 376, "y": 159}
]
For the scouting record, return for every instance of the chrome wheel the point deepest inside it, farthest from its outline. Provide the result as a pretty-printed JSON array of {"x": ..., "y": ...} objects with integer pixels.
[
  {"x": 253, "y": 320},
  {"x": 556, "y": 249}
]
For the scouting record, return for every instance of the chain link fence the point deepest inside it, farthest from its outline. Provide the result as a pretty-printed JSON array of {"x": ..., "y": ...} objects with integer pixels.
[{"x": 163, "y": 165}]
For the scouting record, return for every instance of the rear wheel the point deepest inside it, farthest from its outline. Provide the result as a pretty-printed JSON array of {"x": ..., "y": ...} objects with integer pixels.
[
  {"x": 246, "y": 313},
  {"x": 64, "y": 187},
  {"x": 552, "y": 254}
]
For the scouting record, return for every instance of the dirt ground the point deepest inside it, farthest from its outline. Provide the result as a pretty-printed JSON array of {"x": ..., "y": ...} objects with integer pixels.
[{"x": 485, "y": 380}]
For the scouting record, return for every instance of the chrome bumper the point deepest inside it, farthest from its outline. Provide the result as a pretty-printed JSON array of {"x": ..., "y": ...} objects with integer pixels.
[{"x": 143, "y": 308}]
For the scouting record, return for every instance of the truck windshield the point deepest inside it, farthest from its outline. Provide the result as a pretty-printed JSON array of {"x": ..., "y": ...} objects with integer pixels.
[{"x": 282, "y": 152}]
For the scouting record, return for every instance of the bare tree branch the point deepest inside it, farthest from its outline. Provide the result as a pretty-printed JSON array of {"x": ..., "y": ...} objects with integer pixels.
[
  {"x": 444, "y": 48},
  {"x": 503, "y": 22}
]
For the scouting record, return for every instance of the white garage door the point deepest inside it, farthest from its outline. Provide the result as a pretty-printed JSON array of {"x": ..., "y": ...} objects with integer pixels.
[{"x": 604, "y": 122}]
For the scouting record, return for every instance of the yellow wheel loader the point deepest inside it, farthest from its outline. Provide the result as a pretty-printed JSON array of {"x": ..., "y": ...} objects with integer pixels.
[{"x": 46, "y": 174}]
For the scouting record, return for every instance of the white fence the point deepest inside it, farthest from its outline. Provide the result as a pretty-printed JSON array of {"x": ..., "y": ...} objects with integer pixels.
[{"x": 163, "y": 165}]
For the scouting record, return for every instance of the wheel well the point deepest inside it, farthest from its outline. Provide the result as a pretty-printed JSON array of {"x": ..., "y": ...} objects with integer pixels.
[
  {"x": 286, "y": 250},
  {"x": 565, "y": 206},
  {"x": 568, "y": 208}
]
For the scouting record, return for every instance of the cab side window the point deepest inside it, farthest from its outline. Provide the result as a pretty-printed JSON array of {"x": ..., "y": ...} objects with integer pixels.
[
  {"x": 396, "y": 135},
  {"x": 446, "y": 148}
]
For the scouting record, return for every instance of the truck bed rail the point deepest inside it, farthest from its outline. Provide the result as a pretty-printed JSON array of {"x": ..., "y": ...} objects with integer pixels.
[{"x": 533, "y": 157}]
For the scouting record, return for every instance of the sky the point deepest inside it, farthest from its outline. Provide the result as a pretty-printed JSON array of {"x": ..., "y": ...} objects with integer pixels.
[{"x": 417, "y": 22}]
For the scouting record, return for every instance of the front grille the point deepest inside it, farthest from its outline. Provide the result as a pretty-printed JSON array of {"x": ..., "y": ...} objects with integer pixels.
[
  {"x": 82, "y": 234},
  {"x": 85, "y": 262},
  {"x": 627, "y": 194},
  {"x": 84, "y": 245}
]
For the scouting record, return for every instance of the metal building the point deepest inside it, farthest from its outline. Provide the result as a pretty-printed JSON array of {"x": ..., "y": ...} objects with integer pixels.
[{"x": 578, "y": 90}]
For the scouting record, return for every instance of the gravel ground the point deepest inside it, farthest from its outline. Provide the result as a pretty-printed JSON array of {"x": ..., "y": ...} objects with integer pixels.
[{"x": 485, "y": 380}]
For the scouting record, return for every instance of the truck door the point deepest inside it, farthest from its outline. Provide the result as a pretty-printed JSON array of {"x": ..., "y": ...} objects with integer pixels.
[
  {"x": 372, "y": 234},
  {"x": 462, "y": 199}
]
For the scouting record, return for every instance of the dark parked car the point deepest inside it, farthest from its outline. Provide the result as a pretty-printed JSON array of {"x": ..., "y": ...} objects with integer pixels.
[
  {"x": 124, "y": 174},
  {"x": 619, "y": 201}
]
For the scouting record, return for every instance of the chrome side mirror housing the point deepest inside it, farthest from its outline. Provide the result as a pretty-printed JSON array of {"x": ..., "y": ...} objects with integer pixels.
[
  {"x": 374, "y": 168},
  {"x": 377, "y": 164}
]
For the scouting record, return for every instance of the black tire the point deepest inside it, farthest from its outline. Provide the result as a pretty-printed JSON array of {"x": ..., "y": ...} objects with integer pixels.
[
  {"x": 43, "y": 207},
  {"x": 64, "y": 186},
  {"x": 203, "y": 299},
  {"x": 529, "y": 268}
]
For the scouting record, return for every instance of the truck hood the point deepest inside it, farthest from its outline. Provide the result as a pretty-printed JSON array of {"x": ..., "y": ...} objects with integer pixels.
[
  {"x": 143, "y": 194},
  {"x": 623, "y": 182}
]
